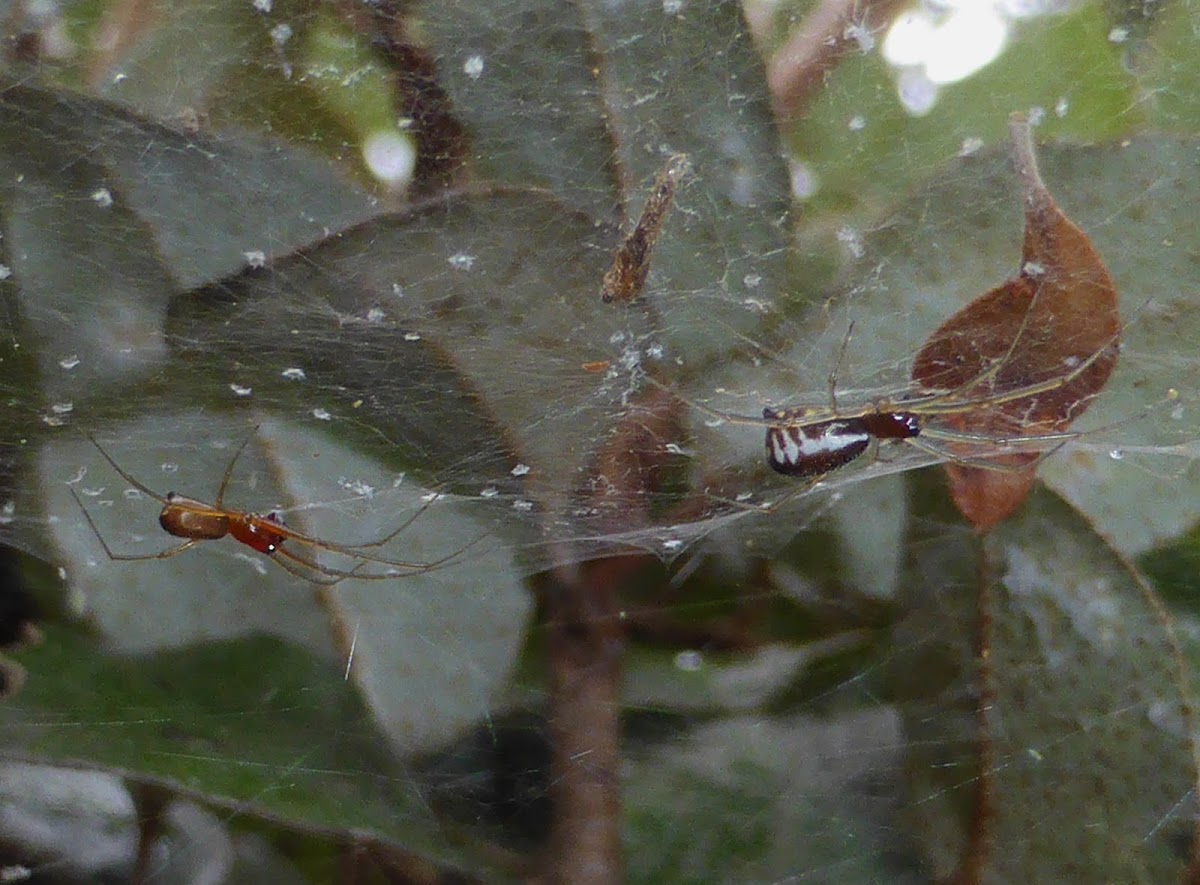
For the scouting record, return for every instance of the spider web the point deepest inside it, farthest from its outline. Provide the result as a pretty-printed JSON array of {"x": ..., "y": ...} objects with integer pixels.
[{"x": 175, "y": 287}]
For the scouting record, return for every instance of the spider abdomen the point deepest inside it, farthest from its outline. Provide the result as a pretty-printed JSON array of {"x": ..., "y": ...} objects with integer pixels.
[
  {"x": 186, "y": 517},
  {"x": 808, "y": 449}
]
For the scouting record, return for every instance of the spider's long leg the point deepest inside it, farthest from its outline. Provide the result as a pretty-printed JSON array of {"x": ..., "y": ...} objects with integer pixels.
[
  {"x": 145, "y": 490},
  {"x": 988, "y": 462},
  {"x": 218, "y": 504},
  {"x": 718, "y": 417},
  {"x": 949, "y": 405},
  {"x": 286, "y": 558}
]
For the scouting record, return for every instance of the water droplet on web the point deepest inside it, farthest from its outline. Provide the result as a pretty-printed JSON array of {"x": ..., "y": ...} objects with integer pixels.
[
  {"x": 69, "y": 362},
  {"x": 255, "y": 258},
  {"x": 102, "y": 197},
  {"x": 1117, "y": 454},
  {"x": 461, "y": 261},
  {"x": 489, "y": 492},
  {"x": 391, "y": 156},
  {"x": 293, "y": 374},
  {"x": 238, "y": 390},
  {"x": 522, "y": 505},
  {"x": 412, "y": 336},
  {"x": 322, "y": 414},
  {"x": 473, "y": 67},
  {"x": 375, "y": 315},
  {"x": 521, "y": 470}
]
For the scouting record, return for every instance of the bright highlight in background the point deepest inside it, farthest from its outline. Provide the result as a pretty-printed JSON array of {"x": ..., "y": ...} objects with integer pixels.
[{"x": 936, "y": 45}]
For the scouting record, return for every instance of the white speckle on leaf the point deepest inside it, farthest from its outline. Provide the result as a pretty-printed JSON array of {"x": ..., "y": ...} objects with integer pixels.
[
  {"x": 803, "y": 178},
  {"x": 857, "y": 123},
  {"x": 255, "y": 258},
  {"x": 489, "y": 492},
  {"x": 672, "y": 7},
  {"x": 263, "y": 6},
  {"x": 357, "y": 487},
  {"x": 412, "y": 336},
  {"x": 473, "y": 67},
  {"x": 102, "y": 197},
  {"x": 461, "y": 261},
  {"x": 1061, "y": 107},
  {"x": 970, "y": 145},
  {"x": 8, "y": 512},
  {"x": 1117, "y": 454},
  {"x": 69, "y": 362},
  {"x": 860, "y": 35},
  {"x": 520, "y": 470},
  {"x": 689, "y": 661},
  {"x": 1118, "y": 35},
  {"x": 852, "y": 240},
  {"x": 322, "y": 414},
  {"x": 294, "y": 374},
  {"x": 522, "y": 506},
  {"x": 62, "y": 408},
  {"x": 238, "y": 390},
  {"x": 281, "y": 33},
  {"x": 1037, "y": 114},
  {"x": 5, "y": 271},
  {"x": 752, "y": 280},
  {"x": 376, "y": 315}
]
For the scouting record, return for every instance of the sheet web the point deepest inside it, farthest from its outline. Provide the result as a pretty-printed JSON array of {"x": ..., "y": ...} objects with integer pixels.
[{"x": 176, "y": 288}]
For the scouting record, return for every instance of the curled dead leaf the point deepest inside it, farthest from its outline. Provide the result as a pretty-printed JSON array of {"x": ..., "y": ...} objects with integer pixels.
[{"x": 1025, "y": 359}]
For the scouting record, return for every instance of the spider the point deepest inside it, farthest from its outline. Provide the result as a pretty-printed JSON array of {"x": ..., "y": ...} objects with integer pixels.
[
  {"x": 810, "y": 442},
  {"x": 198, "y": 521}
]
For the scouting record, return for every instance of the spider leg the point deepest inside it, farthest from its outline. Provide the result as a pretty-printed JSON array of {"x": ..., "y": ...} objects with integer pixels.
[
  {"x": 218, "y": 504},
  {"x": 293, "y": 562},
  {"x": 718, "y": 418},
  {"x": 952, "y": 405},
  {"x": 357, "y": 551},
  {"x": 308, "y": 570},
  {"x": 145, "y": 490},
  {"x": 989, "y": 462},
  {"x": 128, "y": 557}
]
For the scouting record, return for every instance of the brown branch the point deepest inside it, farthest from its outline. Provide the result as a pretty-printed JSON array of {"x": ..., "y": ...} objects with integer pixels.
[{"x": 797, "y": 70}]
